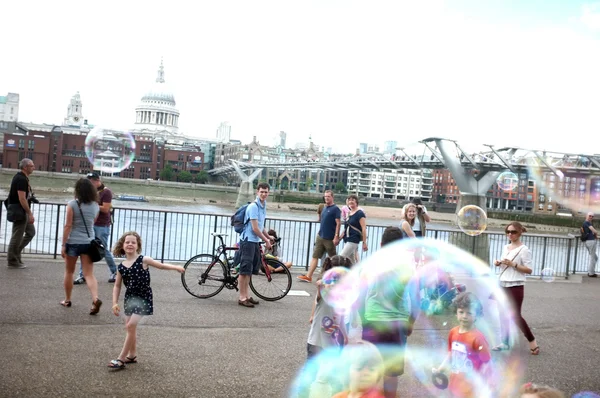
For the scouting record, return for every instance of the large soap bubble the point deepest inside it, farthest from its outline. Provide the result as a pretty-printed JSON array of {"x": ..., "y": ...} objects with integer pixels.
[
  {"x": 472, "y": 220},
  {"x": 339, "y": 298},
  {"x": 395, "y": 284},
  {"x": 507, "y": 181},
  {"x": 110, "y": 151}
]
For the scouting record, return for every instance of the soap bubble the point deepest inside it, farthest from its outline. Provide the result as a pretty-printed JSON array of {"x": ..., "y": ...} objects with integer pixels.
[
  {"x": 110, "y": 151},
  {"x": 391, "y": 279},
  {"x": 586, "y": 394},
  {"x": 472, "y": 220},
  {"x": 507, "y": 181},
  {"x": 548, "y": 275},
  {"x": 566, "y": 189},
  {"x": 343, "y": 297}
]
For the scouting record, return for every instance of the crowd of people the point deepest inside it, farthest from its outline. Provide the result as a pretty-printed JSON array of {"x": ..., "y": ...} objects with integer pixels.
[{"x": 385, "y": 316}]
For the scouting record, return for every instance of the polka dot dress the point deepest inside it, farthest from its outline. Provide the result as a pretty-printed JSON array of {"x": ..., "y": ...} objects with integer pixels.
[{"x": 138, "y": 296}]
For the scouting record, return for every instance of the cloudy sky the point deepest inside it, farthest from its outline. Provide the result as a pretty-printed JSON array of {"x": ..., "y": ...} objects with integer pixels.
[{"x": 508, "y": 72}]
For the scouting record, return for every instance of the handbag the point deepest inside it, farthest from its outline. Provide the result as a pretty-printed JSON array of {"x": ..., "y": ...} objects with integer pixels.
[
  {"x": 503, "y": 271},
  {"x": 14, "y": 211},
  {"x": 97, "y": 249}
]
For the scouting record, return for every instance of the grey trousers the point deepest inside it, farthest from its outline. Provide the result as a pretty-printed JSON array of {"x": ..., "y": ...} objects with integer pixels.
[
  {"x": 22, "y": 234},
  {"x": 591, "y": 246}
]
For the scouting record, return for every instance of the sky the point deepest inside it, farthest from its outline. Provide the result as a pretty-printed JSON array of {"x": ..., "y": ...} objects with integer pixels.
[{"x": 520, "y": 73}]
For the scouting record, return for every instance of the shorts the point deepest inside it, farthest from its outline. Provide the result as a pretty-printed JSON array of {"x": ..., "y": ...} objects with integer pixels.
[
  {"x": 312, "y": 351},
  {"x": 250, "y": 261},
  {"x": 77, "y": 249},
  {"x": 390, "y": 338},
  {"x": 322, "y": 246}
]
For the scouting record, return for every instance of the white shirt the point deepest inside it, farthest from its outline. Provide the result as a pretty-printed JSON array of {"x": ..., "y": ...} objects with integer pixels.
[{"x": 510, "y": 275}]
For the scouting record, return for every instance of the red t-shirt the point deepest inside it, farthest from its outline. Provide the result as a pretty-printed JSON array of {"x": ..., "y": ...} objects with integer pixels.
[
  {"x": 104, "y": 196},
  {"x": 469, "y": 351}
]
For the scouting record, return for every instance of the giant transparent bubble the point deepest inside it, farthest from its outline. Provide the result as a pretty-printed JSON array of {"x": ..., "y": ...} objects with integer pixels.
[
  {"x": 507, "y": 181},
  {"x": 565, "y": 190},
  {"x": 397, "y": 284},
  {"x": 109, "y": 151}
]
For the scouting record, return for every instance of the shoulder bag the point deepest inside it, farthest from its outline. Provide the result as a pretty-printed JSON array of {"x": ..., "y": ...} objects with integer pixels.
[
  {"x": 97, "y": 249},
  {"x": 504, "y": 270},
  {"x": 14, "y": 211}
]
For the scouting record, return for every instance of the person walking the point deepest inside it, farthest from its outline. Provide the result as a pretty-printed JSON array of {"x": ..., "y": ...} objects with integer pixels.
[
  {"x": 355, "y": 230},
  {"x": 515, "y": 264},
  {"x": 591, "y": 236},
  {"x": 102, "y": 226},
  {"x": 328, "y": 236},
  {"x": 77, "y": 235},
  {"x": 23, "y": 229},
  {"x": 254, "y": 231}
]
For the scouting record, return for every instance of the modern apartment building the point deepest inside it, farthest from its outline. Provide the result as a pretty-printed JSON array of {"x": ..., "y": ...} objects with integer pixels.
[{"x": 403, "y": 184}]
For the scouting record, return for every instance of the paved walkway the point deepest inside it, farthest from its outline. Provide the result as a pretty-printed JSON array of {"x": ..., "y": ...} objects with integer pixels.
[{"x": 215, "y": 348}]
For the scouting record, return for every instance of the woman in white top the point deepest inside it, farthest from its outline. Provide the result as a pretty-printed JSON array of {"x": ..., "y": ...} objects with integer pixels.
[{"x": 515, "y": 264}]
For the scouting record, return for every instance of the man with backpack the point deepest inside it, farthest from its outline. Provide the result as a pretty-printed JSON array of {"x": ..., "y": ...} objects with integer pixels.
[
  {"x": 589, "y": 236},
  {"x": 254, "y": 231}
]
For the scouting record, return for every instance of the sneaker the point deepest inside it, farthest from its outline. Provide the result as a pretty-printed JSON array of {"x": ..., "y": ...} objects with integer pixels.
[
  {"x": 79, "y": 281},
  {"x": 113, "y": 278},
  {"x": 305, "y": 278}
]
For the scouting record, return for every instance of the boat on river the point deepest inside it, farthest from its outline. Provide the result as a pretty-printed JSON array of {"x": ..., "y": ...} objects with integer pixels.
[{"x": 132, "y": 198}]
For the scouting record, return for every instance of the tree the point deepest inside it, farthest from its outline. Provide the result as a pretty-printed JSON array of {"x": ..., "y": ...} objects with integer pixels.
[
  {"x": 184, "y": 176},
  {"x": 340, "y": 187},
  {"x": 201, "y": 177},
  {"x": 166, "y": 174},
  {"x": 309, "y": 184}
]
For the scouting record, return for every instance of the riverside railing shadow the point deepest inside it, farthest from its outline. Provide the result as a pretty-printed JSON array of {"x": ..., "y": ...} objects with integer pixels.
[{"x": 177, "y": 236}]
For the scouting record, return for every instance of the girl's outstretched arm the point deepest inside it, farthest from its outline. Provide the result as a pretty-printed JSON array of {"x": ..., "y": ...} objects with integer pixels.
[
  {"x": 157, "y": 264},
  {"x": 116, "y": 294}
]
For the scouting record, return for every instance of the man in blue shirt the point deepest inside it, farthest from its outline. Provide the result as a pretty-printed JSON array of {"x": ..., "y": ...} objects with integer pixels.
[
  {"x": 590, "y": 243},
  {"x": 328, "y": 237},
  {"x": 253, "y": 233}
]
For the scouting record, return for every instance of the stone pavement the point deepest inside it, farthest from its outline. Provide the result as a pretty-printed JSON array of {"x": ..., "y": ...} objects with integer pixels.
[{"x": 215, "y": 348}]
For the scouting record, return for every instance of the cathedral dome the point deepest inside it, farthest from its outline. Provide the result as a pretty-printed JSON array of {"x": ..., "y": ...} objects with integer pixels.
[{"x": 159, "y": 92}]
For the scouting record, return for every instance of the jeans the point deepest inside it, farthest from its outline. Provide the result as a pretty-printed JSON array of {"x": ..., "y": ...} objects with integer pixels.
[
  {"x": 591, "y": 246},
  {"x": 22, "y": 234},
  {"x": 102, "y": 233}
]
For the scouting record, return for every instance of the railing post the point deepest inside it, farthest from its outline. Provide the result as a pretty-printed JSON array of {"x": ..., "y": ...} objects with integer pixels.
[
  {"x": 575, "y": 256},
  {"x": 308, "y": 246},
  {"x": 544, "y": 253},
  {"x": 474, "y": 248},
  {"x": 214, "y": 237},
  {"x": 568, "y": 258},
  {"x": 56, "y": 230},
  {"x": 162, "y": 256}
]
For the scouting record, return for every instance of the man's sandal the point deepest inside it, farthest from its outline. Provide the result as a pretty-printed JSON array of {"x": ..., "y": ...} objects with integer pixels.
[
  {"x": 116, "y": 364},
  {"x": 131, "y": 360}
]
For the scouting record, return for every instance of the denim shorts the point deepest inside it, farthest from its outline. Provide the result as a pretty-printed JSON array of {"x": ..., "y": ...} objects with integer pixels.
[{"x": 77, "y": 249}]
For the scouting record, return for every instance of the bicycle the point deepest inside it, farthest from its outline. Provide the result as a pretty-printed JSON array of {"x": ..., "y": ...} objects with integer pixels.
[{"x": 207, "y": 274}]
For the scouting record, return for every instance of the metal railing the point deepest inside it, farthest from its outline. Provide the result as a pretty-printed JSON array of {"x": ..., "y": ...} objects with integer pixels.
[{"x": 177, "y": 236}]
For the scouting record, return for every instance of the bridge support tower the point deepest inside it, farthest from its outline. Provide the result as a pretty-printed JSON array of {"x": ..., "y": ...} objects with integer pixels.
[{"x": 246, "y": 192}]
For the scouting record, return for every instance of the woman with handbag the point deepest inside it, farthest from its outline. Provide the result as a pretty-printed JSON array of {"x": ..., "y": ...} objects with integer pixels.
[
  {"x": 355, "y": 230},
  {"x": 77, "y": 236},
  {"x": 515, "y": 265}
]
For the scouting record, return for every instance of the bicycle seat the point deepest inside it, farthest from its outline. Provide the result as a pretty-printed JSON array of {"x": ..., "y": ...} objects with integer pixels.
[{"x": 218, "y": 234}]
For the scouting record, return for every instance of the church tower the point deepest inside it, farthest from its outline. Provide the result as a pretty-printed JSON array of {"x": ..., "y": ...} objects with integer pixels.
[{"x": 74, "y": 112}]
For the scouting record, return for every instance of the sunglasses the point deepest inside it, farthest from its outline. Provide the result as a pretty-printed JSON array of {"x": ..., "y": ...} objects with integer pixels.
[{"x": 512, "y": 231}]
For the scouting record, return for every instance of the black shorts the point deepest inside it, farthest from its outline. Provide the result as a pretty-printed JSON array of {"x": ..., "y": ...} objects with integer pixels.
[
  {"x": 249, "y": 258},
  {"x": 390, "y": 338}
]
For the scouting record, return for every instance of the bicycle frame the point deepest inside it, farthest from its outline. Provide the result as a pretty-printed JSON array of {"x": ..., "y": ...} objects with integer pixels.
[{"x": 222, "y": 249}]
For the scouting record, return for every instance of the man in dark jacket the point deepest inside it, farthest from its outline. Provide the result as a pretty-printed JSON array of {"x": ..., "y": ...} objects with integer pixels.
[{"x": 23, "y": 229}]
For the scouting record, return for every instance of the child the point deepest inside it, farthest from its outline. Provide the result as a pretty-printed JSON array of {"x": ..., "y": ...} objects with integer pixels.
[
  {"x": 531, "y": 390},
  {"x": 468, "y": 350},
  {"x": 273, "y": 252},
  {"x": 134, "y": 273},
  {"x": 365, "y": 376},
  {"x": 327, "y": 329}
]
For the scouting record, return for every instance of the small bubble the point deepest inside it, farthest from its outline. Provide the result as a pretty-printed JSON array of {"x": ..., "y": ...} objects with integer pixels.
[{"x": 472, "y": 220}]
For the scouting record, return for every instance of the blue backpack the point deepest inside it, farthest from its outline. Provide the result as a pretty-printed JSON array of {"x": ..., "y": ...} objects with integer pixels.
[{"x": 238, "y": 219}]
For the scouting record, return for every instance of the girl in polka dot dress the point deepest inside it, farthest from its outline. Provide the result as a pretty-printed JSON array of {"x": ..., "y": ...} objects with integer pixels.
[{"x": 135, "y": 275}]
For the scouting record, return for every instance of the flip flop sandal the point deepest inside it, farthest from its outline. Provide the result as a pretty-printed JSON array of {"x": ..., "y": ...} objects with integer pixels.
[
  {"x": 535, "y": 351},
  {"x": 131, "y": 359},
  {"x": 116, "y": 364},
  {"x": 65, "y": 303}
]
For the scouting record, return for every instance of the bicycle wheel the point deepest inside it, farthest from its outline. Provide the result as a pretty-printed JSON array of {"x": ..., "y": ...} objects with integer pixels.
[
  {"x": 275, "y": 289},
  {"x": 204, "y": 276}
]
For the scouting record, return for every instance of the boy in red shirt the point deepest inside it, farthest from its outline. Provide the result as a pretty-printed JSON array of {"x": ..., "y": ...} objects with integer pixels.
[{"x": 468, "y": 349}]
